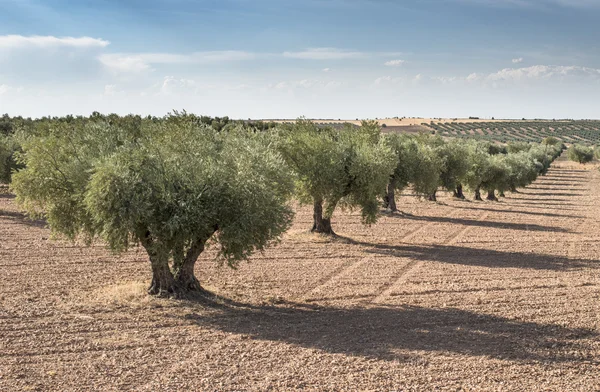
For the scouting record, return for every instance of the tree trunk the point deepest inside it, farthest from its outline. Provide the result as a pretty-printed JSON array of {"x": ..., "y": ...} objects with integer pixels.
[
  {"x": 458, "y": 192},
  {"x": 491, "y": 196},
  {"x": 184, "y": 272},
  {"x": 501, "y": 194},
  {"x": 321, "y": 225},
  {"x": 163, "y": 284},
  {"x": 478, "y": 194},
  {"x": 390, "y": 197},
  {"x": 432, "y": 197}
]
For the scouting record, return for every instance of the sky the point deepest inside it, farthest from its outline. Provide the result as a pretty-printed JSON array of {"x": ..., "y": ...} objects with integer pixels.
[{"x": 289, "y": 58}]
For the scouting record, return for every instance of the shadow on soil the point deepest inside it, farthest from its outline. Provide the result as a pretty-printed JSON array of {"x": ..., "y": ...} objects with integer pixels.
[
  {"x": 485, "y": 223},
  {"x": 22, "y": 219},
  {"x": 479, "y": 257},
  {"x": 385, "y": 333},
  {"x": 564, "y": 193},
  {"x": 547, "y": 214}
]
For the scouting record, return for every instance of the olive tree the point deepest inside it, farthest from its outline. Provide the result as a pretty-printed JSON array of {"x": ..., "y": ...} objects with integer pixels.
[
  {"x": 406, "y": 151},
  {"x": 172, "y": 186},
  {"x": 427, "y": 167},
  {"x": 478, "y": 163},
  {"x": 454, "y": 166},
  {"x": 346, "y": 167},
  {"x": 496, "y": 177},
  {"x": 580, "y": 153},
  {"x": 522, "y": 170}
]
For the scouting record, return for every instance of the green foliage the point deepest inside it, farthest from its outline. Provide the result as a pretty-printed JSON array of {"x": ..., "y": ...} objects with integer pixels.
[
  {"x": 454, "y": 164},
  {"x": 478, "y": 165},
  {"x": 169, "y": 185},
  {"x": 551, "y": 141},
  {"x": 497, "y": 175},
  {"x": 347, "y": 167},
  {"x": 580, "y": 153},
  {"x": 406, "y": 150}
]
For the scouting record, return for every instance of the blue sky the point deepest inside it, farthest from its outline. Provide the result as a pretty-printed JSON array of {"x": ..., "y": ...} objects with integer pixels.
[{"x": 290, "y": 58}]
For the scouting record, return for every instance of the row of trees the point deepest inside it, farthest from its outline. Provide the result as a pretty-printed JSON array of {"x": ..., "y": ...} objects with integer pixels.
[{"x": 178, "y": 183}]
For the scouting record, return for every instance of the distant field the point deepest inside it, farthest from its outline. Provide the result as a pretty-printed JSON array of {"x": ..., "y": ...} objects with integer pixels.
[
  {"x": 585, "y": 132},
  {"x": 581, "y": 131}
]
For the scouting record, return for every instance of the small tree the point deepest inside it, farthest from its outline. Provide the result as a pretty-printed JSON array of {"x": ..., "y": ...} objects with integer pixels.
[
  {"x": 347, "y": 167},
  {"x": 580, "y": 153},
  {"x": 477, "y": 163},
  {"x": 454, "y": 166},
  {"x": 406, "y": 151},
  {"x": 496, "y": 177},
  {"x": 522, "y": 170},
  {"x": 170, "y": 188}
]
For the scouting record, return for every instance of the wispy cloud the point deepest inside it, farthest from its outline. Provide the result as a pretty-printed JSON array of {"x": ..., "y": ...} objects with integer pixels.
[
  {"x": 135, "y": 62},
  {"x": 517, "y": 61},
  {"x": 20, "y": 41},
  {"x": 394, "y": 63},
  {"x": 542, "y": 72},
  {"x": 324, "y": 54}
]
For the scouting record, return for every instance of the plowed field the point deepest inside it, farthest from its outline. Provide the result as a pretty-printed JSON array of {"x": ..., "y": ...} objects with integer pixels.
[{"x": 457, "y": 295}]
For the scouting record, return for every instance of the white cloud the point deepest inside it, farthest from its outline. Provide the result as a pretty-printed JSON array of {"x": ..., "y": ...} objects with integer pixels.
[
  {"x": 172, "y": 85},
  {"x": 517, "y": 61},
  {"x": 394, "y": 63},
  {"x": 111, "y": 90},
  {"x": 4, "y": 89},
  {"x": 542, "y": 72},
  {"x": 123, "y": 63},
  {"x": 135, "y": 62},
  {"x": 326, "y": 69},
  {"x": 323, "y": 54},
  {"x": 306, "y": 84},
  {"x": 388, "y": 81},
  {"x": 473, "y": 77},
  {"x": 20, "y": 41}
]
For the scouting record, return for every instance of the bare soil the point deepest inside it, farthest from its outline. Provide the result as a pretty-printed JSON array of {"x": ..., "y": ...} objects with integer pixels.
[{"x": 454, "y": 295}]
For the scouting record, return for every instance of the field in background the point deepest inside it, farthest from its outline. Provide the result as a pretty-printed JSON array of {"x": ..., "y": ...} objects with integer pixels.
[
  {"x": 457, "y": 295},
  {"x": 503, "y": 131}
]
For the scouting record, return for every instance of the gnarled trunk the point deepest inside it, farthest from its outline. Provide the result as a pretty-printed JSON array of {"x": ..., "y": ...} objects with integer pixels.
[
  {"x": 501, "y": 194},
  {"x": 184, "y": 272},
  {"x": 390, "y": 196},
  {"x": 432, "y": 197},
  {"x": 491, "y": 196},
  {"x": 458, "y": 192},
  {"x": 163, "y": 283},
  {"x": 478, "y": 194},
  {"x": 320, "y": 224}
]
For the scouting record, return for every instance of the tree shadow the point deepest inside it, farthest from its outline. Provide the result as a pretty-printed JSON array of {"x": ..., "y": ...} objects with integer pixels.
[
  {"x": 572, "y": 171},
  {"x": 552, "y": 187},
  {"x": 386, "y": 333},
  {"x": 6, "y": 196},
  {"x": 547, "y": 214},
  {"x": 551, "y": 193},
  {"x": 486, "y": 223},
  {"x": 560, "y": 203},
  {"x": 479, "y": 257},
  {"x": 23, "y": 219}
]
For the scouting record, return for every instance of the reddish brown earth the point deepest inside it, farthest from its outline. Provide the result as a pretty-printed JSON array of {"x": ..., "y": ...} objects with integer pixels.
[{"x": 457, "y": 295}]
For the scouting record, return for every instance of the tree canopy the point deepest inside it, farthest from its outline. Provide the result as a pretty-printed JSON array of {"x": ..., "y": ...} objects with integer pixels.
[
  {"x": 333, "y": 167},
  {"x": 170, "y": 186}
]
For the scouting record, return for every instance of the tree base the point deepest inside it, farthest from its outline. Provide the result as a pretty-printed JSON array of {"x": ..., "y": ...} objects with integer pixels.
[
  {"x": 492, "y": 197},
  {"x": 323, "y": 229}
]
